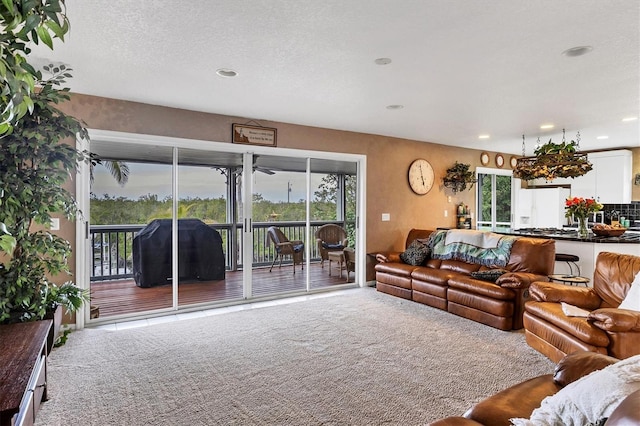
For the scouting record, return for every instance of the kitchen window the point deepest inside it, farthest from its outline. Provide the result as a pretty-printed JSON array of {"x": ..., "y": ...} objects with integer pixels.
[{"x": 494, "y": 199}]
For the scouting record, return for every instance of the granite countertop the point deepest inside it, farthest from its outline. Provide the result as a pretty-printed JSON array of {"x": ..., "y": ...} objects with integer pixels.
[{"x": 572, "y": 235}]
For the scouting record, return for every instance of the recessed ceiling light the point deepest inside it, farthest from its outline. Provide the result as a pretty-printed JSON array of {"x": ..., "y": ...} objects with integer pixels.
[
  {"x": 602, "y": 137},
  {"x": 382, "y": 61},
  {"x": 629, "y": 119},
  {"x": 395, "y": 106},
  {"x": 483, "y": 137},
  {"x": 577, "y": 51},
  {"x": 226, "y": 72},
  {"x": 547, "y": 126}
]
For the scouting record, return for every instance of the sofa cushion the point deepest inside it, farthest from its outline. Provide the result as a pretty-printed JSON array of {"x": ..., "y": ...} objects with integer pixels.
[
  {"x": 334, "y": 246},
  {"x": 484, "y": 288},
  {"x": 490, "y": 275},
  {"x": 415, "y": 254},
  {"x": 433, "y": 276},
  {"x": 575, "y": 326},
  {"x": 590, "y": 398}
]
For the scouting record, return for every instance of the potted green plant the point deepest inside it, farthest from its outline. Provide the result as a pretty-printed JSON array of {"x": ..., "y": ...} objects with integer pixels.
[
  {"x": 35, "y": 163},
  {"x": 458, "y": 177}
]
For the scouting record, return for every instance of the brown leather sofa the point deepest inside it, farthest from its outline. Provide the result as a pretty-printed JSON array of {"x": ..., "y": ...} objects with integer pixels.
[
  {"x": 606, "y": 330},
  {"x": 520, "y": 400},
  {"x": 448, "y": 284}
]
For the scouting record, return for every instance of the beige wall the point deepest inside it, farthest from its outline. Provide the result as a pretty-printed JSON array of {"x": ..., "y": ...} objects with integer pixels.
[
  {"x": 635, "y": 191},
  {"x": 388, "y": 160}
]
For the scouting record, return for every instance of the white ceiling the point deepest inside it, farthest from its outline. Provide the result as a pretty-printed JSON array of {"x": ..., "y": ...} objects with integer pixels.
[{"x": 460, "y": 68}]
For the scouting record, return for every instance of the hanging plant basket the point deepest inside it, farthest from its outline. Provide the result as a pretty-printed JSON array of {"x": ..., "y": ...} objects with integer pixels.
[
  {"x": 551, "y": 166},
  {"x": 553, "y": 160}
]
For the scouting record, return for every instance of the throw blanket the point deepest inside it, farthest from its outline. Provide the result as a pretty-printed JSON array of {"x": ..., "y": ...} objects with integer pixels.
[{"x": 481, "y": 247}]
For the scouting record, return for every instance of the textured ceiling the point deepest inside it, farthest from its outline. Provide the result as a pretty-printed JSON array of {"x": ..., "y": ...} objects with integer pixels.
[{"x": 460, "y": 68}]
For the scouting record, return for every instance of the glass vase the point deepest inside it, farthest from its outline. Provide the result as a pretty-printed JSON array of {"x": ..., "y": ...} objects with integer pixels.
[{"x": 583, "y": 232}]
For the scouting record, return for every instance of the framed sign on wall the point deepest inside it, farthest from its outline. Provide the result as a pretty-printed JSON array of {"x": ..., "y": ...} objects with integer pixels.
[{"x": 253, "y": 135}]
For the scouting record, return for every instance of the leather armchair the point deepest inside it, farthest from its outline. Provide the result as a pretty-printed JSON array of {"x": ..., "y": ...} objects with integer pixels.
[
  {"x": 607, "y": 329},
  {"x": 330, "y": 237}
]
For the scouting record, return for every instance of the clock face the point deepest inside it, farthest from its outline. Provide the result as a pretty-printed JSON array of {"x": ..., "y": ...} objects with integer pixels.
[{"x": 421, "y": 176}]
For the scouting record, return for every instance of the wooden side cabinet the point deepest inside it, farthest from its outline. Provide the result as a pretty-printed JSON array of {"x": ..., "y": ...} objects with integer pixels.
[{"x": 23, "y": 371}]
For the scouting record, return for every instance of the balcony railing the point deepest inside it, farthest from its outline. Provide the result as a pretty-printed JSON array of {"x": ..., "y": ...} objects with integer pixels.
[{"x": 112, "y": 246}]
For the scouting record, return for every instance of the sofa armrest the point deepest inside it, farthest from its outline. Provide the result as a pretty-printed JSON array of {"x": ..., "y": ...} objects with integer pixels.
[
  {"x": 388, "y": 256},
  {"x": 518, "y": 279},
  {"x": 615, "y": 320},
  {"x": 578, "y": 364},
  {"x": 585, "y": 298}
]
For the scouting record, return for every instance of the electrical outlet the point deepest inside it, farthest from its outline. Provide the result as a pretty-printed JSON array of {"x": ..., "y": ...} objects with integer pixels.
[{"x": 446, "y": 213}]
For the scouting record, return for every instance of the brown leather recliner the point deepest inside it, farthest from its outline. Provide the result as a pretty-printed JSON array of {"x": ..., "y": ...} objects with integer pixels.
[
  {"x": 607, "y": 329},
  {"x": 521, "y": 399}
]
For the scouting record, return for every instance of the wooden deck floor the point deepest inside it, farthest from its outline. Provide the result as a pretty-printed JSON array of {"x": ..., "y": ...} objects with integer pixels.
[{"x": 125, "y": 297}]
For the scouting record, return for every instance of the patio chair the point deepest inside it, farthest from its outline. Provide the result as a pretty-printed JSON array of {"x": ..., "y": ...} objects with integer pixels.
[
  {"x": 349, "y": 260},
  {"x": 330, "y": 237},
  {"x": 284, "y": 247}
]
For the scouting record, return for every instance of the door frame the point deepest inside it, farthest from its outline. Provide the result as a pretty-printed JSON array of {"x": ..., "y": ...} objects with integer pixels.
[{"x": 83, "y": 197}]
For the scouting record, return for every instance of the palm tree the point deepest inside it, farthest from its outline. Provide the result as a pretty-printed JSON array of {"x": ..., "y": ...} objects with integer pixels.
[{"x": 118, "y": 169}]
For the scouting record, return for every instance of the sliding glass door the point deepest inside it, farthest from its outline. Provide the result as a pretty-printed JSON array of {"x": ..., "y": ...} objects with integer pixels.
[{"x": 196, "y": 226}]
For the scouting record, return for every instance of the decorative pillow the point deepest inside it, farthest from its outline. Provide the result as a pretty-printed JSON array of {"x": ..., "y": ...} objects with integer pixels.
[
  {"x": 336, "y": 246},
  {"x": 588, "y": 399},
  {"x": 632, "y": 300},
  {"x": 489, "y": 275},
  {"x": 415, "y": 254}
]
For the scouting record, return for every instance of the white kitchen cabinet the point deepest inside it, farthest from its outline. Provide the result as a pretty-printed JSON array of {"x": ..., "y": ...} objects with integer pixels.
[{"x": 609, "y": 181}]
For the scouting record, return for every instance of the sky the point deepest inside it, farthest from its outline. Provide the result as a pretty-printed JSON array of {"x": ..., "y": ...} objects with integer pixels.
[{"x": 195, "y": 182}]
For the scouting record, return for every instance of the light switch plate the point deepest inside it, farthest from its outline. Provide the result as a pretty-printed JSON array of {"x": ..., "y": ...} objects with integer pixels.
[
  {"x": 55, "y": 224},
  {"x": 386, "y": 217}
]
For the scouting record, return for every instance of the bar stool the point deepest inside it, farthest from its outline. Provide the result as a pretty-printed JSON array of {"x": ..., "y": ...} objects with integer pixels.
[{"x": 570, "y": 259}]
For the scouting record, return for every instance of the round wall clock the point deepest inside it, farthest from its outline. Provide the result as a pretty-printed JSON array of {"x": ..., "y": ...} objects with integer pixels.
[
  {"x": 484, "y": 158},
  {"x": 421, "y": 176},
  {"x": 514, "y": 162},
  {"x": 499, "y": 160}
]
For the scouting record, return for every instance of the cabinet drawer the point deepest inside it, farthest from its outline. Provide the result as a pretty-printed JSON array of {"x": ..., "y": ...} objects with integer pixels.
[
  {"x": 33, "y": 395},
  {"x": 38, "y": 385},
  {"x": 25, "y": 415}
]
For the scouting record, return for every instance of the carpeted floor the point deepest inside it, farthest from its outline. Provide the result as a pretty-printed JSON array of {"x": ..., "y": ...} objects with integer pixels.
[{"x": 358, "y": 358}]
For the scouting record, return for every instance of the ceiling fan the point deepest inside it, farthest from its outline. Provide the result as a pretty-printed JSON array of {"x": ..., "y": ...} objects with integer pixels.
[{"x": 264, "y": 170}]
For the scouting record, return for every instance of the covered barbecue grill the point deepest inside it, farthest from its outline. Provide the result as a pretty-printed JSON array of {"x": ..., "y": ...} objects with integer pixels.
[{"x": 200, "y": 255}]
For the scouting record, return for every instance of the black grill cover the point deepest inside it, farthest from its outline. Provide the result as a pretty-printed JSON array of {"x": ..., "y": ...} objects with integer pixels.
[{"x": 200, "y": 255}]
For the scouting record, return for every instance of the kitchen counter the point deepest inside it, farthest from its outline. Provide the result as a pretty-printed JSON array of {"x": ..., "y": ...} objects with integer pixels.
[
  {"x": 568, "y": 234},
  {"x": 567, "y": 241}
]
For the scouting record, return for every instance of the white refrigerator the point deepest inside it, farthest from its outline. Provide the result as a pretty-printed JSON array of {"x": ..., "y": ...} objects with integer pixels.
[{"x": 540, "y": 208}]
